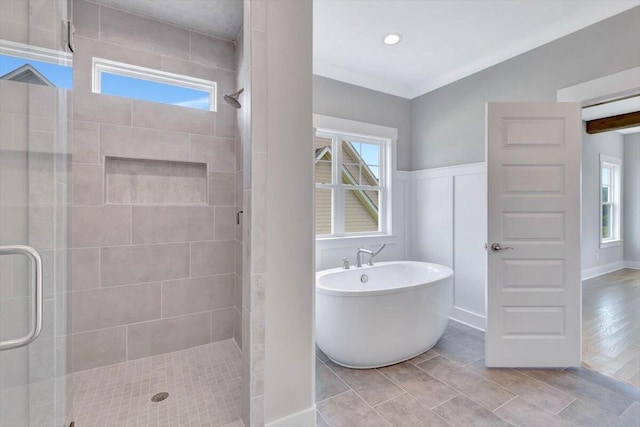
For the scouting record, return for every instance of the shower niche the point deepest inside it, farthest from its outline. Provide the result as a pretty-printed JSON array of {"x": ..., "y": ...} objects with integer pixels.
[{"x": 155, "y": 182}]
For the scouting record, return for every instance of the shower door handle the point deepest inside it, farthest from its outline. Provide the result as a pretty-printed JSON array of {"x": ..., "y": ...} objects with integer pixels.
[{"x": 35, "y": 315}]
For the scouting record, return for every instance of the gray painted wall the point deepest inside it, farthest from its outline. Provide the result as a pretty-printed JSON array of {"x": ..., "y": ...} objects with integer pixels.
[
  {"x": 338, "y": 99},
  {"x": 631, "y": 172},
  {"x": 448, "y": 124},
  {"x": 611, "y": 144}
]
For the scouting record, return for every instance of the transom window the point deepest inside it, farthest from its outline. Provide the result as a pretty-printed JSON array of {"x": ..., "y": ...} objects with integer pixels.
[
  {"x": 351, "y": 184},
  {"x": 610, "y": 200},
  {"x": 146, "y": 84}
]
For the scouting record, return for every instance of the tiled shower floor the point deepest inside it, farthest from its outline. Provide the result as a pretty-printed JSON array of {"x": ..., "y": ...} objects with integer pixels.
[{"x": 203, "y": 383}]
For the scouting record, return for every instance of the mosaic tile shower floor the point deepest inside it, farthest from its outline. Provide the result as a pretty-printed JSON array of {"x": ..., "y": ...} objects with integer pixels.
[{"x": 204, "y": 386}]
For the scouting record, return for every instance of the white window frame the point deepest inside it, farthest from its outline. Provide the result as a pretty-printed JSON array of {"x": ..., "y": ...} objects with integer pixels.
[
  {"x": 36, "y": 53},
  {"x": 615, "y": 200},
  {"x": 100, "y": 66},
  {"x": 338, "y": 129}
]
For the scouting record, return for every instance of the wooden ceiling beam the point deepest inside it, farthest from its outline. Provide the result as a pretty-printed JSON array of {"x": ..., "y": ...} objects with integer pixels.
[{"x": 607, "y": 124}]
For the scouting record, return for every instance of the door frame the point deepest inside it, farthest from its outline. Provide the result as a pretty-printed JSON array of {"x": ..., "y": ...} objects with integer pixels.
[
  {"x": 603, "y": 89},
  {"x": 597, "y": 91},
  {"x": 614, "y": 86}
]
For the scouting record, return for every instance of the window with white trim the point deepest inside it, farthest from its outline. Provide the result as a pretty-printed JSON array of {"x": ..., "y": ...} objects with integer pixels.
[
  {"x": 610, "y": 200},
  {"x": 352, "y": 177},
  {"x": 35, "y": 65},
  {"x": 131, "y": 81}
]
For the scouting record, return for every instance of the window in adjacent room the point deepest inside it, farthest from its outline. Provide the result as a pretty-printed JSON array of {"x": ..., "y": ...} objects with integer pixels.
[
  {"x": 352, "y": 184},
  {"x": 610, "y": 200},
  {"x": 35, "y": 65}
]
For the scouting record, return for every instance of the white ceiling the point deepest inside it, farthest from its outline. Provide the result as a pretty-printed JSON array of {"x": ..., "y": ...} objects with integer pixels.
[
  {"x": 443, "y": 40},
  {"x": 218, "y": 18}
]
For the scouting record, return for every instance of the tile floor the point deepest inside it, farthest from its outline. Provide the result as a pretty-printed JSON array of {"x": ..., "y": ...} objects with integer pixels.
[
  {"x": 450, "y": 386},
  {"x": 204, "y": 385},
  {"x": 611, "y": 325}
]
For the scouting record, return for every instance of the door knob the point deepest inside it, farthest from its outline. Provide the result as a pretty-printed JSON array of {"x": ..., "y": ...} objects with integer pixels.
[{"x": 496, "y": 247}]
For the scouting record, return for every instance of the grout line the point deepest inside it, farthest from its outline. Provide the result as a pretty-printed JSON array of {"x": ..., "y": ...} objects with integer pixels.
[
  {"x": 211, "y": 327},
  {"x": 154, "y": 244},
  {"x": 459, "y": 393},
  {"x": 401, "y": 388},
  {"x": 126, "y": 343},
  {"x": 127, "y": 325},
  {"x": 378, "y": 414},
  {"x": 566, "y": 406},
  {"x": 626, "y": 410},
  {"x": 358, "y": 394},
  {"x": 511, "y": 391},
  {"x": 514, "y": 397},
  {"x": 546, "y": 383},
  {"x": 156, "y": 281},
  {"x": 391, "y": 398},
  {"x": 470, "y": 363},
  {"x": 448, "y": 400},
  {"x": 322, "y": 416},
  {"x": 335, "y": 395}
]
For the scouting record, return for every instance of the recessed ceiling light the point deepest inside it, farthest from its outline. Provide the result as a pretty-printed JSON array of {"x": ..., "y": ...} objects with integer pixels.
[{"x": 391, "y": 39}]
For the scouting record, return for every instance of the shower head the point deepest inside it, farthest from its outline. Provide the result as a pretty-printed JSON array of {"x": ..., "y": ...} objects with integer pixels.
[{"x": 233, "y": 99}]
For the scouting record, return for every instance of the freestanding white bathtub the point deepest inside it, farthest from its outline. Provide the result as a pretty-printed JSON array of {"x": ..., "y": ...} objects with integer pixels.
[{"x": 383, "y": 314}]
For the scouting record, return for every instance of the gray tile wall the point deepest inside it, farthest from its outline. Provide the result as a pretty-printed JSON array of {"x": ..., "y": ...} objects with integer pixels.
[
  {"x": 251, "y": 186},
  {"x": 153, "y": 230}
]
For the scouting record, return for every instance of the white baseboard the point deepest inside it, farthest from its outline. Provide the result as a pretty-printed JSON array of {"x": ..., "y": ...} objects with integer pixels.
[
  {"x": 304, "y": 418},
  {"x": 635, "y": 265},
  {"x": 468, "y": 318},
  {"x": 589, "y": 273}
]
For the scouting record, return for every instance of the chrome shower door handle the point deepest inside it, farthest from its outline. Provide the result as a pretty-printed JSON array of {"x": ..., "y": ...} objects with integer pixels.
[
  {"x": 496, "y": 247},
  {"x": 35, "y": 315}
]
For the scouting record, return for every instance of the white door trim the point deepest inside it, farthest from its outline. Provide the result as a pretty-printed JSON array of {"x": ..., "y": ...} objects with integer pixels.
[{"x": 607, "y": 88}]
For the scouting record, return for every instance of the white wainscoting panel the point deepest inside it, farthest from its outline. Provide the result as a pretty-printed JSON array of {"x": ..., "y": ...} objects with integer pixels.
[
  {"x": 470, "y": 234},
  {"x": 448, "y": 225},
  {"x": 432, "y": 235}
]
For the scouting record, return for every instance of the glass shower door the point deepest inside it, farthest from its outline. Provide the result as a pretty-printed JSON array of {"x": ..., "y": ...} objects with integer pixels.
[
  {"x": 33, "y": 214},
  {"x": 33, "y": 221}
]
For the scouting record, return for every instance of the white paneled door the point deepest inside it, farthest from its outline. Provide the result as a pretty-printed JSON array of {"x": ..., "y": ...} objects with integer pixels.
[{"x": 533, "y": 287}]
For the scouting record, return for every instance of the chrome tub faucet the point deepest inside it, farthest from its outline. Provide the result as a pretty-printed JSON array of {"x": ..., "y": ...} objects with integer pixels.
[{"x": 368, "y": 252}]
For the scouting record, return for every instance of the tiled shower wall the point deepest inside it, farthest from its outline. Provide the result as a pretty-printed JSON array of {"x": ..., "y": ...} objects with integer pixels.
[
  {"x": 251, "y": 74},
  {"x": 153, "y": 225}
]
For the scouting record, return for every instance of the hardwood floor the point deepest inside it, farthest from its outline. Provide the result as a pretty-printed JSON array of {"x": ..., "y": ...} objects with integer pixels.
[{"x": 611, "y": 325}]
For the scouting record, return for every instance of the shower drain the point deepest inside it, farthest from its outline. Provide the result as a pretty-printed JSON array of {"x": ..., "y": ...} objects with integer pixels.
[{"x": 159, "y": 397}]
